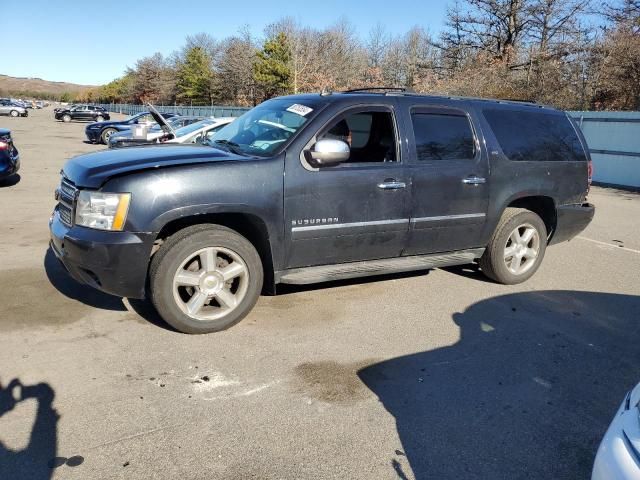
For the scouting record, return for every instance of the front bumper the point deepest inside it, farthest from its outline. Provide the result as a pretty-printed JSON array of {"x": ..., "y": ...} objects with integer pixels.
[
  {"x": 92, "y": 135},
  {"x": 571, "y": 220},
  {"x": 113, "y": 262},
  {"x": 9, "y": 166},
  {"x": 617, "y": 458}
]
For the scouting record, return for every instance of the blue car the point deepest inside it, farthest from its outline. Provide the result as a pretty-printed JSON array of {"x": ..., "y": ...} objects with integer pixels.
[
  {"x": 100, "y": 132},
  {"x": 9, "y": 157}
]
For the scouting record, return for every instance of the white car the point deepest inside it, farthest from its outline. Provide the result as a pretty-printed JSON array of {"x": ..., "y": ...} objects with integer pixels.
[
  {"x": 198, "y": 132},
  {"x": 618, "y": 456}
]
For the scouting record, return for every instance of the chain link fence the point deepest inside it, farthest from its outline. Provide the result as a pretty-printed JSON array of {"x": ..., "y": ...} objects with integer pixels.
[{"x": 200, "y": 111}]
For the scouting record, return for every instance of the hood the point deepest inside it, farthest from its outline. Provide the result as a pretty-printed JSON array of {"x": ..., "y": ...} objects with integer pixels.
[
  {"x": 94, "y": 169},
  {"x": 160, "y": 120}
]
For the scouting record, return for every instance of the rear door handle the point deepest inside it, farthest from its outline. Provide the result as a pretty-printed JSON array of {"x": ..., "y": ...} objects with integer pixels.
[
  {"x": 391, "y": 185},
  {"x": 474, "y": 180}
]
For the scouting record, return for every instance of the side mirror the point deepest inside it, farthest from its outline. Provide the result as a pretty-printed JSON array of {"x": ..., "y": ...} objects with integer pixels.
[{"x": 328, "y": 152}]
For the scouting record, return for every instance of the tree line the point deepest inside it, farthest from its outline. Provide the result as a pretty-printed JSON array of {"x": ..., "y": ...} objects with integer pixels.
[{"x": 574, "y": 54}]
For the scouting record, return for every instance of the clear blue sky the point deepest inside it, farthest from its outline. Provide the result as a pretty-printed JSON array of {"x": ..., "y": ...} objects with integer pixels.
[{"x": 93, "y": 41}]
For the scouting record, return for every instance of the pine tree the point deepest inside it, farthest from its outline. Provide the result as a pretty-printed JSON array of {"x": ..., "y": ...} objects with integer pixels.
[
  {"x": 272, "y": 70},
  {"x": 195, "y": 76}
]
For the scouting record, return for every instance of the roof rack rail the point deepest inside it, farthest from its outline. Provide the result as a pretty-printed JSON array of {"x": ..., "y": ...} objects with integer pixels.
[
  {"x": 384, "y": 90},
  {"x": 522, "y": 100}
]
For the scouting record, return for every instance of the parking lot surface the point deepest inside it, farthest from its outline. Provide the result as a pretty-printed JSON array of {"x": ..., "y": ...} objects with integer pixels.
[{"x": 438, "y": 374}]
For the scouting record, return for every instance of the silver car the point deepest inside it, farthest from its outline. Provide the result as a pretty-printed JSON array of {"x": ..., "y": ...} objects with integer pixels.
[{"x": 7, "y": 107}]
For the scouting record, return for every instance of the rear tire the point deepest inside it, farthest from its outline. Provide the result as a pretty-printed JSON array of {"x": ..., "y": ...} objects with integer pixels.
[
  {"x": 516, "y": 248},
  {"x": 14, "y": 113},
  {"x": 205, "y": 278},
  {"x": 106, "y": 134},
  {"x": 66, "y": 118}
]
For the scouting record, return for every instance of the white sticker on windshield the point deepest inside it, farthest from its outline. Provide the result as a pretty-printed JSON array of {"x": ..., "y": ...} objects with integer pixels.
[{"x": 301, "y": 110}]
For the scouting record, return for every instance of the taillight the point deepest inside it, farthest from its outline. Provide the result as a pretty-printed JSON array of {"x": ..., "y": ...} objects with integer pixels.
[{"x": 4, "y": 145}]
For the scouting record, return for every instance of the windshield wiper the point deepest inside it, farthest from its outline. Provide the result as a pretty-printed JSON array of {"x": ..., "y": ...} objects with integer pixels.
[{"x": 233, "y": 146}]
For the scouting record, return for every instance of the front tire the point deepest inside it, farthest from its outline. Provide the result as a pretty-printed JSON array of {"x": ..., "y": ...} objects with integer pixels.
[
  {"x": 104, "y": 138},
  {"x": 66, "y": 118},
  {"x": 14, "y": 113},
  {"x": 516, "y": 248},
  {"x": 99, "y": 118},
  {"x": 205, "y": 278}
]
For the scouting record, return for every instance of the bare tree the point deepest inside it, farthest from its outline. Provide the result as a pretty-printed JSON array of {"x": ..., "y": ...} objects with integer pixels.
[{"x": 235, "y": 70}]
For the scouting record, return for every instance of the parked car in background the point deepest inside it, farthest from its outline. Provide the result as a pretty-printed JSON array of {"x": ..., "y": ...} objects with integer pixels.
[
  {"x": 9, "y": 157},
  {"x": 83, "y": 112},
  {"x": 9, "y": 107},
  {"x": 196, "y": 132},
  {"x": 126, "y": 138},
  {"x": 64, "y": 107},
  {"x": 618, "y": 456},
  {"x": 101, "y": 132},
  {"x": 39, "y": 105},
  {"x": 18, "y": 102},
  {"x": 368, "y": 190}
]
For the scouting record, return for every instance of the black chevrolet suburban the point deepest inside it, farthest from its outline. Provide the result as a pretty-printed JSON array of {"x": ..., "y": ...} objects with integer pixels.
[{"x": 312, "y": 188}]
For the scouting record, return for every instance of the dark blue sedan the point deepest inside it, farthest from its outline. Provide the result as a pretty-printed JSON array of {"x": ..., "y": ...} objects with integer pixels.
[
  {"x": 9, "y": 158},
  {"x": 100, "y": 132}
]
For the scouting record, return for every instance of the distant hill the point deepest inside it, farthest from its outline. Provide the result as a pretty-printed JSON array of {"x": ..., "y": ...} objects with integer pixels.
[{"x": 32, "y": 86}]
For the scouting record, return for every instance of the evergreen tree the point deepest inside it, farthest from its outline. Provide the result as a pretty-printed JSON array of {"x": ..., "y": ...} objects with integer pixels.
[
  {"x": 195, "y": 77},
  {"x": 272, "y": 69}
]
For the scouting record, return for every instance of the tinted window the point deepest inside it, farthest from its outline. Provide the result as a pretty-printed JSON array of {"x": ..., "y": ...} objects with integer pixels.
[
  {"x": 441, "y": 136},
  {"x": 535, "y": 136}
]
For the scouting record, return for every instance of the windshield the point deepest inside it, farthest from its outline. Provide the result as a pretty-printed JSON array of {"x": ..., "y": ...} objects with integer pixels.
[
  {"x": 265, "y": 128},
  {"x": 173, "y": 122},
  {"x": 181, "y": 132},
  {"x": 144, "y": 117}
]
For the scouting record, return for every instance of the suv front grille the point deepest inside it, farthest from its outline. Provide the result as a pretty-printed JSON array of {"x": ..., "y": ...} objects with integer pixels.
[
  {"x": 67, "y": 201},
  {"x": 65, "y": 214}
]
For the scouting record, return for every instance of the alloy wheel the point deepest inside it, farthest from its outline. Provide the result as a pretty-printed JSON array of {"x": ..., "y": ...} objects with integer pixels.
[
  {"x": 522, "y": 249},
  {"x": 210, "y": 283}
]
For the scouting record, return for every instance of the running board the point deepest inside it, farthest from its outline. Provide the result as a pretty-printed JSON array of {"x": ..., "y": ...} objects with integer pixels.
[{"x": 341, "y": 271}]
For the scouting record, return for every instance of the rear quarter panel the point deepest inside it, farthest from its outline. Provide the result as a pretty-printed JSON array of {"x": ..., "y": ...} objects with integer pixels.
[{"x": 563, "y": 181}]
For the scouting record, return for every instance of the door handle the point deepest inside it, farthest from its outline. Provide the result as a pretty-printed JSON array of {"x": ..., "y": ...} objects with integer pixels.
[
  {"x": 391, "y": 185},
  {"x": 474, "y": 180}
]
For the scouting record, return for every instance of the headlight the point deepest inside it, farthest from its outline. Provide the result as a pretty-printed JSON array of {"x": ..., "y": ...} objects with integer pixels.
[{"x": 103, "y": 211}]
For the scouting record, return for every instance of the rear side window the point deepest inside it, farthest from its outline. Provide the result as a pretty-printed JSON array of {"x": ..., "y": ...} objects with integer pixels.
[
  {"x": 442, "y": 136},
  {"x": 535, "y": 136}
]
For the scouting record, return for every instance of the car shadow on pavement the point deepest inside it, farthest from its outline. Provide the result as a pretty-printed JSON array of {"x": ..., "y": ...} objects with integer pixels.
[
  {"x": 66, "y": 285},
  {"x": 10, "y": 181},
  {"x": 37, "y": 460},
  {"x": 471, "y": 270},
  {"x": 527, "y": 392},
  {"x": 147, "y": 312}
]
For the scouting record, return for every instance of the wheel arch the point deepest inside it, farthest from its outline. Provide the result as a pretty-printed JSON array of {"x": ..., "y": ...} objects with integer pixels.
[
  {"x": 542, "y": 205},
  {"x": 249, "y": 225}
]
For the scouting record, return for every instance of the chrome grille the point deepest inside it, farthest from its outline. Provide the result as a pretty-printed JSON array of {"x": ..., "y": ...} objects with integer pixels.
[
  {"x": 68, "y": 191},
  {"x": 65, "y": 214},
  {"x": 67, "y": 194}
]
